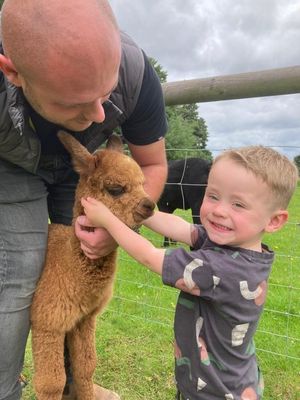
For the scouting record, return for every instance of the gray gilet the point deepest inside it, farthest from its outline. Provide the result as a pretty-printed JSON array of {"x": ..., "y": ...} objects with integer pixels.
[{"x": 20, "y": 145}]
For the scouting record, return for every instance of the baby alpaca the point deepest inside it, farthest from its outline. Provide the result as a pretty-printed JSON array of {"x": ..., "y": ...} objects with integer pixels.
[{"x": 73, "y": 289}]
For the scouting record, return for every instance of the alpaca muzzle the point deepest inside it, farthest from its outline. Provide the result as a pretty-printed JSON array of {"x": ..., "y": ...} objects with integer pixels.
[{"x": 144, "y": 210}]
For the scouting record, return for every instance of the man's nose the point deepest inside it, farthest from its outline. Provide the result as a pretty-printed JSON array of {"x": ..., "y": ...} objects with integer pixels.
[{"x": 94, "y": 111}]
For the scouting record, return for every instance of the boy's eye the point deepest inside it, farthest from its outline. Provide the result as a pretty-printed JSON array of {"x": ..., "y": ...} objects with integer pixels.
[
  {"x": 239, "y": 205},
  {"x": 116, "y": 190},
  {"x": 212, "y": 197}
]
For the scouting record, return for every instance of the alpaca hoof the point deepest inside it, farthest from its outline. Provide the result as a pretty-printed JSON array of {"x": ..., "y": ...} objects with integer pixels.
[
  {"x": 100, "y": 393},
  {"x": 105, "y": 394}
]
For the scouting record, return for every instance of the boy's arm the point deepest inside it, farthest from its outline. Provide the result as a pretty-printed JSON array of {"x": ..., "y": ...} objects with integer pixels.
[
  {"x": 171, "y": 226},
  {"x": 134, "y": 244}
]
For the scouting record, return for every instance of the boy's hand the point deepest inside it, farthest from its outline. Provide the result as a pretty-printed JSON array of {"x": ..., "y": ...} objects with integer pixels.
[{"x": 97, "y": 213}]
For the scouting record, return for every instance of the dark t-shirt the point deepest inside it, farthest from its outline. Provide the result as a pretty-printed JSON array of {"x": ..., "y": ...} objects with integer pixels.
[{"x": 146, "y": 124}]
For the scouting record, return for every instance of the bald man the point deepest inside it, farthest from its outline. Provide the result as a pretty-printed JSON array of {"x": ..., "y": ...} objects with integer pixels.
[{"x": 64, "y": 65}]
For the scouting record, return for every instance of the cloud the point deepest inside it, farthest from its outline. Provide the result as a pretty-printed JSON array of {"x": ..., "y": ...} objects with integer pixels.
[
  {"x": 267, "y": 121},
  {"x": 197, "y": 39}
]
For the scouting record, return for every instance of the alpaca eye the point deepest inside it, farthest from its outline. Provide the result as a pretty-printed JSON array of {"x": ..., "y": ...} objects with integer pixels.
[{"x": 115, "y": 191}]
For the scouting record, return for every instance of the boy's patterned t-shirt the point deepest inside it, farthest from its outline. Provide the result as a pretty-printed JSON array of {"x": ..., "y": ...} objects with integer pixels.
[{"x": 223, "y": 290}]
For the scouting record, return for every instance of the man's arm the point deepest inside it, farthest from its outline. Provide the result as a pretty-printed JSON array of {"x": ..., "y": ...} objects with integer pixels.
[
  {"x": 144, "y": 132},
  {"x": 153, "y": 162}
]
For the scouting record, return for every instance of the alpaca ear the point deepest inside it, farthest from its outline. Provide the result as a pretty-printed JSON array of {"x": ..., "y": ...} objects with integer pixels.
[
  {"x": 84, "y": 162},
  {"x": 278, "y": 219},
  {"x": 114, "y": 142}
]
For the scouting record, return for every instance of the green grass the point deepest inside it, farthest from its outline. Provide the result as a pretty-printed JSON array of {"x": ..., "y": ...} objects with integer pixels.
[{"x": 134, "y": 335}]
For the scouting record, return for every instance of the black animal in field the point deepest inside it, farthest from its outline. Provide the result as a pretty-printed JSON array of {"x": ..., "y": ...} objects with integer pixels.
[{"x": 185, "y": 187}]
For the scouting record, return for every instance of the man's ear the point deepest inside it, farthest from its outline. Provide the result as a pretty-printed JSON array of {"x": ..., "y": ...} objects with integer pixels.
[
  {"x": 277, "y": 221},
  {"x": 9, "y": 70}
]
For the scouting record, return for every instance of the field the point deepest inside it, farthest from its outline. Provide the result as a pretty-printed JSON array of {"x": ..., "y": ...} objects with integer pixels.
[{"x": 134, "y": 335}]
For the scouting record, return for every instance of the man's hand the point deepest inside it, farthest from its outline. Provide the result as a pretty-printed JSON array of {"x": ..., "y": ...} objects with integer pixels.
[{"x": 95, "y": 242}]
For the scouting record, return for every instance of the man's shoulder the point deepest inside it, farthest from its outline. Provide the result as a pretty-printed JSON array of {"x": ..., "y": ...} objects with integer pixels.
[
  {"x": 131, "y": 74},
  {"x": 132, "y": 62}
]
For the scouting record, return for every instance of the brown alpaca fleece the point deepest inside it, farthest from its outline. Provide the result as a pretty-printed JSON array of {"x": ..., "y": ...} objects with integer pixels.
[{"x": 73, "y": 289}]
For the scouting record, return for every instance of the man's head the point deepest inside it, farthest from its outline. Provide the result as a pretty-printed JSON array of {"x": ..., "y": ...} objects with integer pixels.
[
  {"x": 64, "y": 54},
  {"x": 247, "y": 194}
]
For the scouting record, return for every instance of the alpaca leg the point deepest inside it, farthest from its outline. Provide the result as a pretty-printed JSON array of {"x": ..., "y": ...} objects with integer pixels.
[
  {"x": 81, "y": 344},
  {"x": 48, "y": 357}
]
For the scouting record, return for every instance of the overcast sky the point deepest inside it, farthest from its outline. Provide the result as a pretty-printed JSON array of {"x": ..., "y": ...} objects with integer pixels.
[{"x": 205, "y": 38}]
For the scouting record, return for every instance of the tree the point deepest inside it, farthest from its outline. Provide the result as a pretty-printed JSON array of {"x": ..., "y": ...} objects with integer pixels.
[
  {"x": 159, "y": 70},
  {"x": 297, "y": 162},
  {"x": 187, "y": 134}
]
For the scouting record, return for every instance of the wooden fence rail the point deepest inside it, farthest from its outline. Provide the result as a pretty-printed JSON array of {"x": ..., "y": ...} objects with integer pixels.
[{"x": 228, "y": 87}]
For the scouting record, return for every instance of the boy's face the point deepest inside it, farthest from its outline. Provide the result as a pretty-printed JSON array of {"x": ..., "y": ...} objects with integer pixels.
[{"x": 237, "y": 206}]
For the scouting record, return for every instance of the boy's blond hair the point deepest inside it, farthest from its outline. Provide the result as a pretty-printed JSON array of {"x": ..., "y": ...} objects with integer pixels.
[{"x": 276, "y": 170}]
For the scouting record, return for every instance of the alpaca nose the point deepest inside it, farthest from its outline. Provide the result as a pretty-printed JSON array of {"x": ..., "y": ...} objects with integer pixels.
[{"x": 144, "y": 209}]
